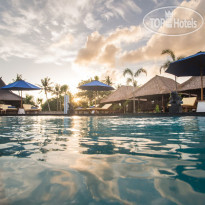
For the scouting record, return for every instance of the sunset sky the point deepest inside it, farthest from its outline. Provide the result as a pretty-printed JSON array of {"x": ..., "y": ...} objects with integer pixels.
[{"x": 73, "y": 40}]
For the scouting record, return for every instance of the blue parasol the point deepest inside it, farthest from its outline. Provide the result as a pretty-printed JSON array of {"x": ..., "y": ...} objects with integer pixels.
[
  {"x": 96, "y": 86},
  {"x": 20, "y": 85},
  {"x": 193, "y": 65}
]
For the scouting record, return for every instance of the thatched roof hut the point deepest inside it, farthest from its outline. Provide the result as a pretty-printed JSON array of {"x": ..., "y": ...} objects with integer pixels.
[
  {"x": 158, "y": 85},
  {"x": 6, "y": 95},
  {"x": 120, "y": 94},
  {"x": 193, "y": 83}
]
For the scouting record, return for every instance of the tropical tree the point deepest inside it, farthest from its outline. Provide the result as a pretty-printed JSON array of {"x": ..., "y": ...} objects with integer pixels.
[
  {"x": 173, "y": 58},
  {"x": 18, "y": 77},
  {"x": 87, "y": 95},
  {"x": 64, "y": 90},
  {"x": 56, "y": 91},
  {"x": 96, "y": 78},
  {"x": 46, "y": 87},
  {"x": 108, "y": 80},
  {"x": 131, "y": 79},
  {"x": 29, "y": 100}
]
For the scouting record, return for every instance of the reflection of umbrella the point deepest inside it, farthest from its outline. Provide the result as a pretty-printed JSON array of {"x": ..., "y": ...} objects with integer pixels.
[
  {"x": 20, "y": 85},
  {"x": 190, "y": 66},
  {"x": 96, "y": 86}
]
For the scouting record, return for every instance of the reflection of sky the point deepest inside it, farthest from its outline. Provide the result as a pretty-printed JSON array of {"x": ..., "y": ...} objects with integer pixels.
[{"x": 53, "y": 160}]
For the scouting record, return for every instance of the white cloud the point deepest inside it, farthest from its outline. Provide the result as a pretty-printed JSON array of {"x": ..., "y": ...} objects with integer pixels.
[
  {"x": 92, "y": 23},
  {"x": 120, "y": 9}
]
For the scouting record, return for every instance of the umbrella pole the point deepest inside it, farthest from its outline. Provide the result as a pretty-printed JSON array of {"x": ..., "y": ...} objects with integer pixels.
[
  {"x": 176, "y": 82},
  {"x": 95, "y": 97},
  {"x": 202, "y": 94},
  {"x": 21, "y": 100}
]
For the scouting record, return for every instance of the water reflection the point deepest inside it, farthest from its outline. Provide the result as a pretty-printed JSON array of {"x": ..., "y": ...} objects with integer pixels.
[{"x": 100, "y": 160}]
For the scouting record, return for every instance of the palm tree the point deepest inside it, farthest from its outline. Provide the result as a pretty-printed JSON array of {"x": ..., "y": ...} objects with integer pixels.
[
  {"x": 108, "y": 80},
  {"x": 132, "y": 80},
  {"x": 63, "y": 90},
  {"x": 18, "y": 77},
  {"x": 173, "y": 57},
  {"x": 56, "y": 91},
  {"x": 46, "y": 86}
]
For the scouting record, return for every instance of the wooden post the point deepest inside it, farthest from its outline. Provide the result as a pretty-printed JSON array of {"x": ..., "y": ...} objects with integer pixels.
[
  {"x": 21, "y": 100},
  {"x": 176, "y": 82},
  {"x": 163, "y": 104},
  {"x": 134, "y": 111},
  {"x": 202, "y": 93}
]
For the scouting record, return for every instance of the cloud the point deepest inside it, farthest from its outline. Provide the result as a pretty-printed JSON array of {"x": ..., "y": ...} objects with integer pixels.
[
  {"x": 108, "y": 56},
  {"x": 181, "y": 45},
  {"x": 92, "y": 50},
  {"x": 103, "y": 49},
  {"x": 92, "y": 23},
  {"x": 118, "y": 8}
]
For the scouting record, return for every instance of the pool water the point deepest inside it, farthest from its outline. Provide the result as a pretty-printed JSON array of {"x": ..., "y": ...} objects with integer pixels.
[{"x": 102, "y": 160}]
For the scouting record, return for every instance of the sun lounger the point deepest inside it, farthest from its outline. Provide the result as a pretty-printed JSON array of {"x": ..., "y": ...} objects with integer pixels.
[
  {"x": 189, "y": 103},
  {"x": 105, "y": 109},
  {"x": 201, "y": 106},
  {"x": 7, "y": 108},
  {"x": 81, "y": 110},
  {"x": 30, "y": 108},
  {"x": 93, "y": 110}
]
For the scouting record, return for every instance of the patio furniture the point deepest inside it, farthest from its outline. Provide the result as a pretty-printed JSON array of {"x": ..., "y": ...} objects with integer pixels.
[
  {"x": 30, "y": 109},
  {"x": 8, "y": 108},
  {"x": 97, "y": 110},
  {"x": 189, "y": 103}
]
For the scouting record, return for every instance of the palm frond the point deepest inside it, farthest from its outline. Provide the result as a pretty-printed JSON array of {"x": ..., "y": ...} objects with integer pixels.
[
  {"x": 180, "y": 57},
  {"x": 139, "y": 71},
  {"x": 170, "y": 53},
  {"x": 127, "y": 71},
  {"x": 165, "y": 66},
  {"x": 129, "y": 80}
]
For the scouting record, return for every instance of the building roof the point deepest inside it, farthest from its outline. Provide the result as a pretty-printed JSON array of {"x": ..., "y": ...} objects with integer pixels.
[
  {"x": 158, "y": 85},
  {"x": 118, "y": 95},
  {"x": 7, "y": 95},
  {"x": 192, "y": 84}
]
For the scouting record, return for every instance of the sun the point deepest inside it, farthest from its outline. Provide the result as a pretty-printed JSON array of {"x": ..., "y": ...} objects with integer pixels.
[{"x": 76, "y": 100}]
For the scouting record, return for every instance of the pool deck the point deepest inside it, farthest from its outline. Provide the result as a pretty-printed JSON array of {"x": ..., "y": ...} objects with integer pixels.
[{"x": 118, "y": 114}]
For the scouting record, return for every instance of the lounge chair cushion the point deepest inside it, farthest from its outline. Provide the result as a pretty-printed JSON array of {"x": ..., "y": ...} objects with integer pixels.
[{"x": 189, "y": 102}]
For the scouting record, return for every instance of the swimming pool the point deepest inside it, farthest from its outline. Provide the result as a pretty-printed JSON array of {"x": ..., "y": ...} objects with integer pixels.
[{"x": 102, "y": 160}]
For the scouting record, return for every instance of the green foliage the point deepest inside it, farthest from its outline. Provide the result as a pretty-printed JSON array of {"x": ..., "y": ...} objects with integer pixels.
[
  {"x": 87, "y": 96},
  {"x": 171, "y": 55},
  {"x": 157, "y": 110},
  {"x": 29, "y": 100},
  {"x": 52, "y": 104},
  {"x": 117, "y": 107},
  {"x": 18, "y": 77},
  {"x": 46, "y": 87},
  {"x": 131, "y": 78},
  {"x": 108, "y": 80},
  {"x": 124, "y": 105}
]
